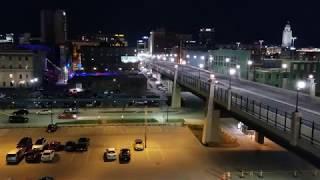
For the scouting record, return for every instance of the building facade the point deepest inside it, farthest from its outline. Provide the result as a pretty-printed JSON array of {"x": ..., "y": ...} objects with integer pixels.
[
  {"x": 101, "y": 59},
  {"x": 218, "y": 61},
  {"x": 21, "y": 69},
  {"x": 53, "y": 26}
]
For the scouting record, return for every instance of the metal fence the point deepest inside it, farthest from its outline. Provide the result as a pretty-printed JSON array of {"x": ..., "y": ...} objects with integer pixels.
[{"x": 272, "y": 116}]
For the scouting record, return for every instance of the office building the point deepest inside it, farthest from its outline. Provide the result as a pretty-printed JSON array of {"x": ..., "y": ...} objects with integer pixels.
[
  {"x": 207, "y": 38},
  {"x": 21, "y": 68},
  {"x": 54, "y": 26},
  {"x": 102, "y": 59}
]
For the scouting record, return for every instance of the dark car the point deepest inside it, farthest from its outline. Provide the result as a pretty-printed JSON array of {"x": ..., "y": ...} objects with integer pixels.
[
  {"x": 83, "y": 144},
  {"x": 33, "y": 156},
  {"x": 124, "y": 156},
  {"x": 54, "y": 145},
  {"x": 25, "y": 142},
  {"x": 21, "y": 112},
  {"x": 52, "y": 128},
  {"x": 46, "y": 178},
  {"x": 70, "y": 146},
  {"x": 18, "y": 119}
]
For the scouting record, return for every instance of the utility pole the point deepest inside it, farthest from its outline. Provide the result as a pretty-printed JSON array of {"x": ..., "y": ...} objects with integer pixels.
[{"x": 145, "y": 126}]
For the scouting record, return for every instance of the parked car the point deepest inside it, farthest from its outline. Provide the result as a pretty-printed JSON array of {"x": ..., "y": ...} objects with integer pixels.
[
  {"x": 25, "y": 142},
  {"x": 67, "y": 116},
  {"x": 18, "y": 119},
  {"x": 40, "y": 144},
  {"x": 44, "y": 112},
  {"x": 33, "y": 156},
  {"x": 83, "y": 144},
  {"x": 54, "y": 145},
  {"x": 124, "y": 155},
  {"x": 52, "y": 128},
  {"x": 109, "y": 154},
  {"x": 70, "y": 146},
  {"x": 21, "y": 112},
  {"x": 47, "y": 156},
  {"x": 138, "y": 145},
  {"x": 15, "y": 156}
]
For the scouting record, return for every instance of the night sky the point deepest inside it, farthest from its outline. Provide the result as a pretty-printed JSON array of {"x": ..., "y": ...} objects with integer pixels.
[{"x": 234, "y": 20}]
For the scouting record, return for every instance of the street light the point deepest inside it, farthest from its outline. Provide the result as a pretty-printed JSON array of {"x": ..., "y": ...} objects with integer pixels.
[
  {"x": 201, "y": 66},
  {"x": 212, "y": 77},
  {"x": 249, "y": 63},
  {"x": 300, "y": 85},
  {"x": 310, "y": 76},
  {"x": 227, "y": 60},
  {"x": 232, "y": 72}
]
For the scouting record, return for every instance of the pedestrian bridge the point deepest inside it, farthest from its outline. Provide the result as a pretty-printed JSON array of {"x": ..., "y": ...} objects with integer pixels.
[{"x": 268, "y": 110}]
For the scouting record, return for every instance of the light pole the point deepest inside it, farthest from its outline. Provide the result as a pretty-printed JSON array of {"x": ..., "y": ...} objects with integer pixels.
[
  {"x": 145, "y": 126},
  {"x": 227, "y": 63},
  {"x": 238, "y": 70},
  {"x": 232, "y": 72},
  {"x": 249, "y": 63},
  {"x": 300, "y": 85}
]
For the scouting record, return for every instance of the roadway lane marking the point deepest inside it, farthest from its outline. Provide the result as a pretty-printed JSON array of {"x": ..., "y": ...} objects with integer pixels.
[{"x": 279, "y": 101}]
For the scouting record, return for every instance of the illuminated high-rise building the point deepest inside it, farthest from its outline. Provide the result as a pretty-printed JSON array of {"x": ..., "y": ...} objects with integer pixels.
[{"x": 287, "y": 36}]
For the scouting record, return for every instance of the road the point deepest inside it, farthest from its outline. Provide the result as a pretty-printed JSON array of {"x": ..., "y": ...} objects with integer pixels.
[
  {"x": 172, "y": 153},
  {"x": 283, "y": 99}
]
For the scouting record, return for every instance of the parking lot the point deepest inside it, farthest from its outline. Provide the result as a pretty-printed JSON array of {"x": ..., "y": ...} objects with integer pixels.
[{"x": 172, "y": 153}]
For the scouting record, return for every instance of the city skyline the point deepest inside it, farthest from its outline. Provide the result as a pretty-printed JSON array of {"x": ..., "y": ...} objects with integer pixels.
[{"x": 243, "y": 21}]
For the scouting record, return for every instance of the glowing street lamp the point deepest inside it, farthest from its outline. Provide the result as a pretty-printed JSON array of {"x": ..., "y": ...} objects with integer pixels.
[
  {"x": 227, "y": 60},
  {"x": 212, "y": 77},
  {"x": 232, "y": 72},
  {"x": 187, "y": 56},
  {"x": 300, "y": 85},
  {"x": 201, "y": 66},
  {"x": 310, "y": 76},
  {"x": 249, "y": 63}
]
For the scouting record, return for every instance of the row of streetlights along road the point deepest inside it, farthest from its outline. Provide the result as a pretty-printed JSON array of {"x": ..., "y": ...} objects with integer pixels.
[{"x": 300, "y": 84}]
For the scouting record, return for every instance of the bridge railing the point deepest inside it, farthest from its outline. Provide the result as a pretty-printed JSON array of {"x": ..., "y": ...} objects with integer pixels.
[
  {"x": 272, "y": 116},
  {"x": 309, "y": 130}
]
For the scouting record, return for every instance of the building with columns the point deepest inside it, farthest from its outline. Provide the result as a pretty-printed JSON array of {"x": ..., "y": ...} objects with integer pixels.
[{"x": 21, "y": 68}]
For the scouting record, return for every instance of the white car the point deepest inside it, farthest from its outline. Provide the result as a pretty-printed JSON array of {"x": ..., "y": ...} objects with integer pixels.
[
  {"x": 72, "y": 110},
  {"x": 44, "y": 112},
  {"x": 138, "y": 145},
  {"x": 39, "y": 144},
  {"x": 47, "y": 156},
  {"x": 110, "y": 154}
]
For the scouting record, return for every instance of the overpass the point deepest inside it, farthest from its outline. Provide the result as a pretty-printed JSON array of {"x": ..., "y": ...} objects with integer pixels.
[{"x": 269, "y": 110}]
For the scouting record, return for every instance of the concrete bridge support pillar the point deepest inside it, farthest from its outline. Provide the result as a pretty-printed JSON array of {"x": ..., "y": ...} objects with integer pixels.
[
  {"x": 211, "y": 129},
  {"x": 229, "y": 99},
  {"x": 259, "y": 137},
  {"x": 295, "y": 128},
  {"x": 176, "y": 91}
]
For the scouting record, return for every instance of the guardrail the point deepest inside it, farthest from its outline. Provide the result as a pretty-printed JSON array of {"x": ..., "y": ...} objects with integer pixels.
[{"x": 270, "y": 115}]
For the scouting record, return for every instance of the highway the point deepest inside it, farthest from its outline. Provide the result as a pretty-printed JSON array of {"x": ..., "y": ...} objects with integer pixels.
[{"x": 279, "y": 98}]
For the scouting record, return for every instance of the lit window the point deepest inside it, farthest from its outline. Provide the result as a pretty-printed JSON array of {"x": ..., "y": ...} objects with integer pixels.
[{"x": 10, "y": 75}]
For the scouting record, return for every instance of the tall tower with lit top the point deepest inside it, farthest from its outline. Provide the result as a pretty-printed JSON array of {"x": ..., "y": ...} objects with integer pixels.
[{"x": 287, "y": 36}]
